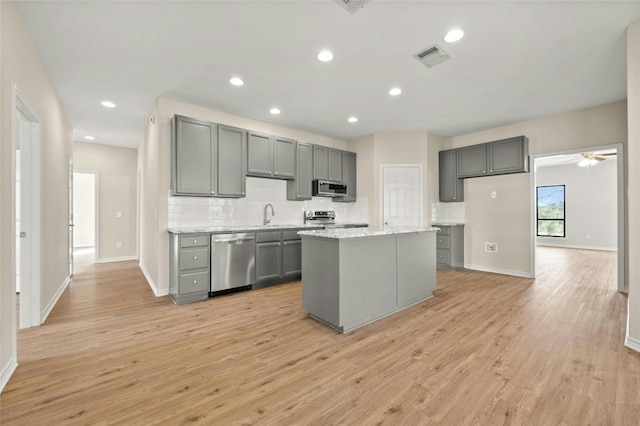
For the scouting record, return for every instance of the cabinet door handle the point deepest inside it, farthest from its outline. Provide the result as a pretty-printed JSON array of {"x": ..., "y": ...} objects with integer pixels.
[
  {"x": 195, "y": 257},
  {"x": 491, "y": 171},
  {"x": 195, "y": 281},
  {"x": 195, "y": 241}
]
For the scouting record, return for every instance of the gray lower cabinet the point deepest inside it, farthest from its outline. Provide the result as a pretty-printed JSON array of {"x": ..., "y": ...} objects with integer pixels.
[
  {"x": 278, "y": 256},
  {"x": 494, "y": 158},
  {"x": 271, "y": 157},
  {"x": 348, "y": 177},
  {"x": 193, "y": 152},
  {"x": 189, "y": 271},
  {"x": 450, "y": 247},
  {"x": 451, "y": 187},
  {"x": 300, "y": 187},
  {"x": 232, "y": 151}
]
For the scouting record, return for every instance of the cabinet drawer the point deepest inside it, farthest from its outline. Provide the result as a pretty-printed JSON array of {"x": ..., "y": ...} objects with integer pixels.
[
  {"x": 443, "y": 241},
  {"x": 194, "y": 259},
  {"x": 444, "y": 230},
  {"x": 191, "y": 283},
  {"x": 194, "y": 240},
  {"x": 290, "y": 235},
  {"x": 265, "y": 237},
  {"x": 444, "y": 256}
]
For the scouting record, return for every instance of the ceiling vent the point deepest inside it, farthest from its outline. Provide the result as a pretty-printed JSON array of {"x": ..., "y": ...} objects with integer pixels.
[
  {"x": 432, "y": 56},
  {"x": 353, "y": 5}
]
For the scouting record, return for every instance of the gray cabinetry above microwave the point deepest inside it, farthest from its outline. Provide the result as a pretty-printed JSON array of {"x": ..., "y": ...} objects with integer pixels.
[
  {"x": 327, "y": 163},
  {"x": 348, "y": 177},
  {"x": 494, "y": 158}
]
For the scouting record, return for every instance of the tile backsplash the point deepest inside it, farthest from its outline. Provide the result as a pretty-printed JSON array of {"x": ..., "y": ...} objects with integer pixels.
[
  {"x": 447, "y": 212},
  {"x": 187, "y": 212}
]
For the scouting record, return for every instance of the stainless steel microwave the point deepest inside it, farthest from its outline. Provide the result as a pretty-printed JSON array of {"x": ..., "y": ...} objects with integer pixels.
[{"x": 324, "y": 188}]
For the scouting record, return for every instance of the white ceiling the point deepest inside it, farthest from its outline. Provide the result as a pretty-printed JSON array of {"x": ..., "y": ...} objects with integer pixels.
[{"x": 518, "y": 61}]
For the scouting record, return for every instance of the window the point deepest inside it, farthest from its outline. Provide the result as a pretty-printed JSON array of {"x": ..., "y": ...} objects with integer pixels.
[{"x": 550, "y": 211}]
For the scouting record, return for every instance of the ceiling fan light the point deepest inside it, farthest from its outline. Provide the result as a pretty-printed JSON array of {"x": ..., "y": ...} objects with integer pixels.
[{"x": 583, "y": 163}]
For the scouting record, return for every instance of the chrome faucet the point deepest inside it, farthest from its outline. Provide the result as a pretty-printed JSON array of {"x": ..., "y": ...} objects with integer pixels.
[{"x": 273, "y": 213}]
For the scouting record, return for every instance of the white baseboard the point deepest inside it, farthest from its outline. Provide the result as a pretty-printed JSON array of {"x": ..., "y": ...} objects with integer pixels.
[
  {"x": 573, "y": 246},
  {"x": 521, "y": 274},
  {"x": 54, "y": 300},
  {"x": 153, "y": 286},
  {"x": 632, "y": 343},
  {"x": 116, "y": 259},
  {"x": 7, "y": 372}
]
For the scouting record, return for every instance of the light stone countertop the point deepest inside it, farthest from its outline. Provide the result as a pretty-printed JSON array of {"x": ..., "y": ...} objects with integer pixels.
[
  {"x": 340, "y": 233},
  {"x": 447, "y": 224},
  {"x": 239, "y": 228}
]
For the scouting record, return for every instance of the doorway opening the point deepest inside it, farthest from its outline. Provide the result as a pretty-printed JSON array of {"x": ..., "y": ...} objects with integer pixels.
[
  {"x": 27, "y": 146},
  {"x": 85, "y": 219},
  {"x": 578, "y": 203}
]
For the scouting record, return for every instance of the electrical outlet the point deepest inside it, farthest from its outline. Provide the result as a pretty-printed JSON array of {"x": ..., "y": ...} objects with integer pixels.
[
  {"x": 491, "y": 247},
  {"x": 588, "y": 236},
  {"x": 118, "y": 213},
  {"x": 494, "y": 194},
  {"x": 118, "y": 244}
]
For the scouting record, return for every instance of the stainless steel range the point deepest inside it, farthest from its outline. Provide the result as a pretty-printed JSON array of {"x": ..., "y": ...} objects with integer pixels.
[{"x": 327, "y": 218}]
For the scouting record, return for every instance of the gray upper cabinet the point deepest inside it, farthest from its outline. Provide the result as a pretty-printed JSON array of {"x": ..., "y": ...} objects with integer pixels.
[
  {"x": 270, "y": 157},
  {"x": 508, "y": 155},
  {"x": 494, "y": 158},
  {"x": 232, "y": 151},
  {"x": 335, "y": 165},
  {"x": 193, "y": 167},
  {"x": 300, "y": 188},
  {"x": 472, "y": 161},
  {"x": 348, "y": 177},
  {"x": 284, "y": 158},
  {"x": 259, "y": 154},
  {"x": 451, "y": 188},
  {"x": 320, "y": 162}
]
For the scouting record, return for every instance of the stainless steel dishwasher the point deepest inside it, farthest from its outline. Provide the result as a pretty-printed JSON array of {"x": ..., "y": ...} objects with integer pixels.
[{"x": 233, "y": 261}]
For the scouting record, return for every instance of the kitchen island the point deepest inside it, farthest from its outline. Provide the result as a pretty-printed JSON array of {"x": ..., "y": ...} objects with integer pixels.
[{"x": 351, "y": 277}]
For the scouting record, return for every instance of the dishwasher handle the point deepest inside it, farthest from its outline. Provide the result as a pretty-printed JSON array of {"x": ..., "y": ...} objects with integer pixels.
[{"x": 231, "y": 238}]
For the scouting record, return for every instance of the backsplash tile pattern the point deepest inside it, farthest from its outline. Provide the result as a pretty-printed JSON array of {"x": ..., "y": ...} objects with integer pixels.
[
  {"x": 187, "y": 212},
  {"x": 447, "y": 212}
]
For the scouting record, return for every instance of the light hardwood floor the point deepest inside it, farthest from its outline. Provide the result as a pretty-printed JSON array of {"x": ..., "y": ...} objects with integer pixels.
[{"x": 486, "y": 350}]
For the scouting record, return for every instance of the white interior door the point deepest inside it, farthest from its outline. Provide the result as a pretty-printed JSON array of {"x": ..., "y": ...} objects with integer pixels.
[{"x": 402, "y": 195}]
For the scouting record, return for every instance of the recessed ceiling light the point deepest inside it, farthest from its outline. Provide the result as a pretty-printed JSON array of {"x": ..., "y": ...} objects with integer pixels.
[
  {"x": 108, "y": 104},
  {"x": 325, "y": 56},
  {"x": 89, "y": 138},
  {"x": 236, "y": 81},
  {"x": 352, "y": 119},
  {"x": 395, "y": 91},
  {"x": 454, "y": 35},
  {"x": 274, "y": 111}
]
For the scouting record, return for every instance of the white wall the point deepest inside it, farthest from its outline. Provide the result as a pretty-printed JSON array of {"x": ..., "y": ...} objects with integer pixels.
[
  {"x": 21, "y": 65},
  {"x": 84, "y": 210},
  {"x": 633, "y": 189},
  {"x": 507, "y": 219},
  {"x": 591, "y": 204}
]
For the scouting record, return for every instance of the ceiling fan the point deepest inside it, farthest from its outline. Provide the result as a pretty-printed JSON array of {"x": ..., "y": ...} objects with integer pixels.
[{"x": 592, "y": 158}]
